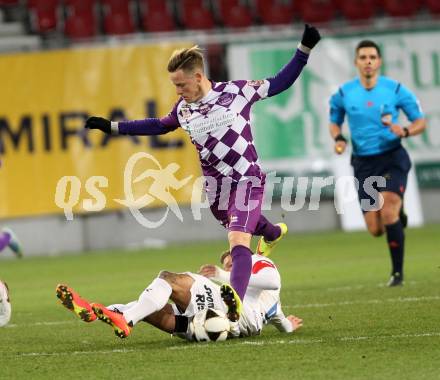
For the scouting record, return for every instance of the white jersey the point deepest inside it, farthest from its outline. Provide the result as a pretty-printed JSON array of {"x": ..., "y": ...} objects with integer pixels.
[{"x": 261, "y": 304}]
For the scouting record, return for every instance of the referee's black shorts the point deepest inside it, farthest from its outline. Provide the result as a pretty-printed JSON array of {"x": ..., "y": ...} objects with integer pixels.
[{"x": 393, "y": 166}]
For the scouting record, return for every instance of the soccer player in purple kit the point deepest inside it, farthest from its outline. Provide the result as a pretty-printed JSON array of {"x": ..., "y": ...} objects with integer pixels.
[{"x": 216, "y": 115}]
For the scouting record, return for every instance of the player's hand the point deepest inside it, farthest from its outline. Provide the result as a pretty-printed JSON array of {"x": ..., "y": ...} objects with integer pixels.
[
  {"x": 208, "y": 270},
  {"x": 100, "y": 123},
  {"x": 340, "y": 147},
  {"x": 295, "y": 321},
  {"x": 310, "y": 36},
  {"x": 397, "y": 130}
]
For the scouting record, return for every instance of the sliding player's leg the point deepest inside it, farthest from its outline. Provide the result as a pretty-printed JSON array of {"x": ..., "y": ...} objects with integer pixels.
[
  {"x": 154, "y": 298},
  {"x": 72, "y": 301}
]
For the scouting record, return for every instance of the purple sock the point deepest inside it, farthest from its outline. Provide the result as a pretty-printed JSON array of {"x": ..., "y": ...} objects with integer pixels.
[
  {"x": 241, "y": 269},
  {"x": 5, "y": 238},
  {"x": 267, "y": 229}
]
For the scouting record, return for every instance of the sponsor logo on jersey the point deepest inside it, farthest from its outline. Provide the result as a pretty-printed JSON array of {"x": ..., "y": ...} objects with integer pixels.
[
  {"x": 205, "y": 108},
  {"x": 206, "y": 300},
  {"x": 233, "y": 219},
  {"x": 255, "y": 83},
  {"x": 185, "y": 111},
  {"x": 225, "y": 99}
]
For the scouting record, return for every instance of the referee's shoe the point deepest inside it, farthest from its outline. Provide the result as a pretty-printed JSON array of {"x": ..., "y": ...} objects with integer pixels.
[{"x": 396, "y": 279}]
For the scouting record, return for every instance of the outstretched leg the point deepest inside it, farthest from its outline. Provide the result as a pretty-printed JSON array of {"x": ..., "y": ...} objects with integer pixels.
[
  {"x": 152, "y": 300},
  {"x": 168, "y": 285},
  {"x": 72, "y": 301}
]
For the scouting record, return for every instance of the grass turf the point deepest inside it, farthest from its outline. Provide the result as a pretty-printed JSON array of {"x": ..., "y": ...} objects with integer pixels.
[{"x": 355, "y": 327}]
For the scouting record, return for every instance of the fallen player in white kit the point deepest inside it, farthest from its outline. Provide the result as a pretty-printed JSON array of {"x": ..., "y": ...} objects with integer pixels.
[{"x": 191, "y": 293}]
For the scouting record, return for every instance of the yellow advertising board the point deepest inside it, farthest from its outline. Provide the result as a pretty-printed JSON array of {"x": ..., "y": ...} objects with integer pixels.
[{"x": 45, "y": 99}]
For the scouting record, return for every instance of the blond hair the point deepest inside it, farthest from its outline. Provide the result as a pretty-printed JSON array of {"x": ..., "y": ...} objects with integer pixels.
[{"x": 186, "y": 59}]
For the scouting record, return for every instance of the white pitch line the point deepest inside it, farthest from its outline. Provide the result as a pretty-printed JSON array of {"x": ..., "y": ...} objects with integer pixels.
[
  {"x": 245, "y": 343},
  {"x": 354, "y": 287},
  {"x": 422, "y": 335},
  {"x": 54, "y": 323},
  {"x": 300, "y": 306},
  {"x": 115, "y": 351},
  {"x": 373, "y": 301}
]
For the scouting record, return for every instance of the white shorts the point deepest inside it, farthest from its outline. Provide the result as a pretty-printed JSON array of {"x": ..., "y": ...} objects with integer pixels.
[{"x": 204, "y": 294}]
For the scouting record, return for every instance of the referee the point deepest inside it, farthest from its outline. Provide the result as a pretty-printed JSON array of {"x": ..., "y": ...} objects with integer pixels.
[{"x": 372, "y": 103}]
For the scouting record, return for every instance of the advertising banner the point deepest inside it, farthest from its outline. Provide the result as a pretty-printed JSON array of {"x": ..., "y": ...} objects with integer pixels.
[{"x": 46, "y": 98}]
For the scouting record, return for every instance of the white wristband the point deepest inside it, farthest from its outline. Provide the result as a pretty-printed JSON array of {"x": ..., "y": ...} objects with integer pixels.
[
  {"x": 304, "y": 49},
  {"x": 114, "y": 128}
]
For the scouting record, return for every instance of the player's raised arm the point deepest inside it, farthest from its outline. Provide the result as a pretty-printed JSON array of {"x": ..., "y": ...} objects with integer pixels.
[
  {"x": 145, "y": 127},
  {"x": 291, "y": 71}
]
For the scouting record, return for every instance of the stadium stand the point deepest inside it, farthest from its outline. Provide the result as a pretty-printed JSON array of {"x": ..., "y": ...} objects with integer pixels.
[
  {"x": 9, "y": 2},
  {"x": 401, "y": 8},
  {"x": 156, "y": 16},
  {"x": 234, "y": 13},
  {"x": 75, "y": 20},
  {"x": 13, "y": 31},
  {"x": 196, "y": 14},
  {"x": 357, "y": 10},
  {"x": 274, "y": 12},
  {"x": 433, "y": 6},
  {"x": 318, "y": 11},
  {"x": 44, "y": 17},
  {"x": 118, "y": 17},
  {"x": 80, "y": 19}
]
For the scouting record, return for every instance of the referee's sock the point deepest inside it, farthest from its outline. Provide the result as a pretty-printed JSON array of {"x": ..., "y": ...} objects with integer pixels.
[
  {"x": 265, "y": 228},
  {"x": 396, "y": 244},
  {"x": 241, "y": 269}
]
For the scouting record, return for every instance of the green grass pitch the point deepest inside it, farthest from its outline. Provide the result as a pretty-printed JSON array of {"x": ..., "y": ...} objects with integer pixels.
[{"x": 354, "y": 327}]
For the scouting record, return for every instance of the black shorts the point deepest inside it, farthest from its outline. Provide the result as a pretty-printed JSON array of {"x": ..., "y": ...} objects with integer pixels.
[{"x": 392, "y": 166}]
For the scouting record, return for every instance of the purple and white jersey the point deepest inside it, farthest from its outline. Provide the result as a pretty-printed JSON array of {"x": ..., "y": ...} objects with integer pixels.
[
  {"x": 219, "y": 124},
  {"x": 219, "y": 127}
]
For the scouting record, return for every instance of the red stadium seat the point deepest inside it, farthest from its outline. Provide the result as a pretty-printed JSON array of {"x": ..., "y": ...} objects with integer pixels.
[
  {"x": 9, "y": 2},
  {"x": 233, "y": 14},
  {"x": 43, "y": 15},
  {"x": 357, "y": 10},
  {"x": 401, "y": 8},
  {"x": 118, "y": 18},
  {"x": 156, "y": 16},
  {"x": 81, "y": 19},
  {"x": 275, "y": 12},
  {"x": 433, "y": 6},
  {"x": 318, "y": 11},
  {"x": 196, "y": 15},
  {"x": 79, "y": 27}
]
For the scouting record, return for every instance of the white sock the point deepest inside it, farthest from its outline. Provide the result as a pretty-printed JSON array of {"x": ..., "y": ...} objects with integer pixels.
[
  {"x": 152, "y": 299},
  {"x": 121, "y": 307}
]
